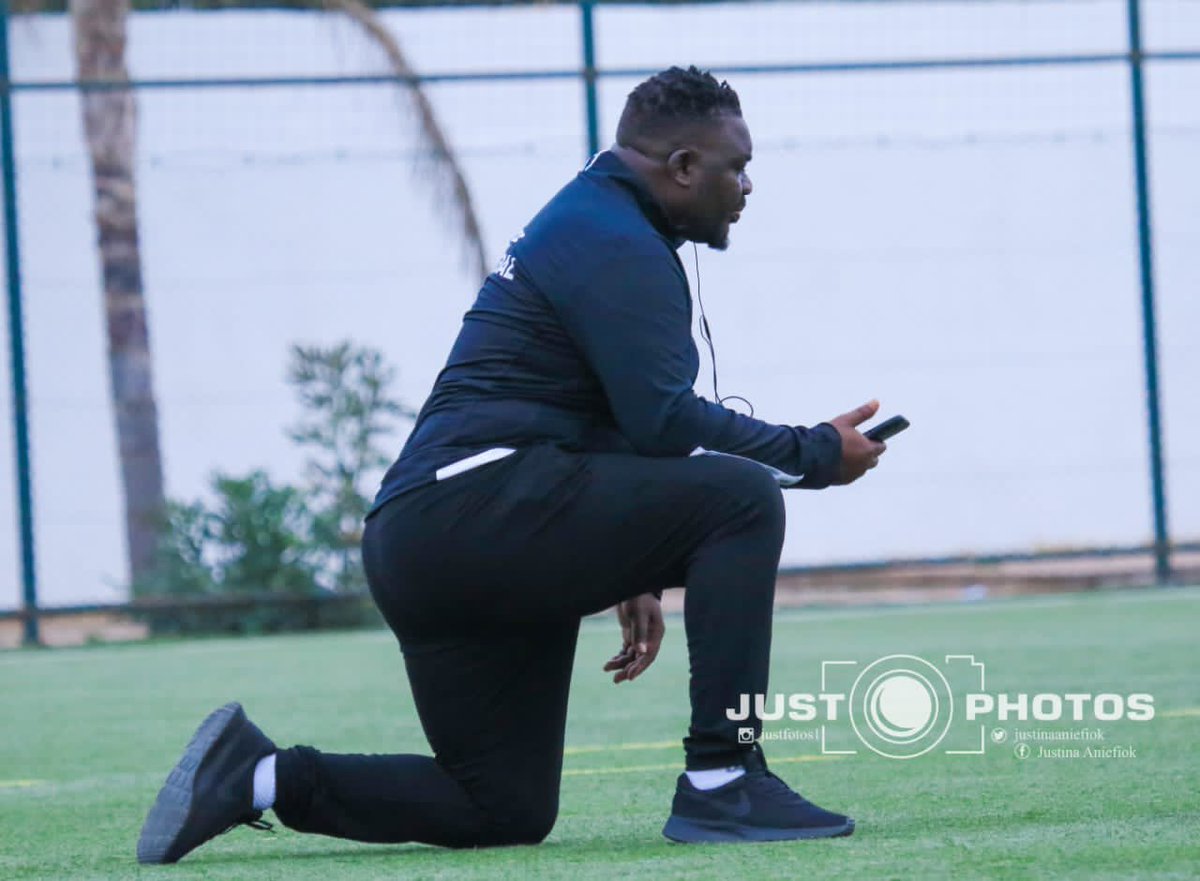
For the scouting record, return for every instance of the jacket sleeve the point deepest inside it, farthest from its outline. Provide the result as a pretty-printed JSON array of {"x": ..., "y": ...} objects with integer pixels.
[{"x": 631, "y": 319}]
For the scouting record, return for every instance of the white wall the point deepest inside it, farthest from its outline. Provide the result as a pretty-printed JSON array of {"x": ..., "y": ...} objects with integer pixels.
[{"x": 959, "y": 244}]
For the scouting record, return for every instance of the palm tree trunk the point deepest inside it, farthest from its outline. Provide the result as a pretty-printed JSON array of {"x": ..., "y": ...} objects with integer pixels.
[{"x": 109, "y": 119}]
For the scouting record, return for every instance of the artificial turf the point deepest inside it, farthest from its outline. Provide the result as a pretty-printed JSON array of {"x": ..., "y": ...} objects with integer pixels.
[{"x": 88, "y": 734}]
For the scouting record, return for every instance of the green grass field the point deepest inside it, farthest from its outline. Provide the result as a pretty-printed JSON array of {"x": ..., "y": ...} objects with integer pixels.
[{"x": 88, "y": 735}]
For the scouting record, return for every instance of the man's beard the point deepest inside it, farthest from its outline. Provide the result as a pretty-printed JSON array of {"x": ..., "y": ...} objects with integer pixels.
[
  {"x": 719, "y": 240},
  {"x": 716, "y": 237}
]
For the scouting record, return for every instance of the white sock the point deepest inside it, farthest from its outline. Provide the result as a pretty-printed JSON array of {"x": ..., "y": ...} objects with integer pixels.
[
  {"x": 264, "y": 783},
  {"x": 714, "y": 777}
]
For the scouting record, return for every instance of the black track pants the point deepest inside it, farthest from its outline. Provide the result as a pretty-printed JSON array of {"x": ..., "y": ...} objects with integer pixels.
[{"x": 484, "y": 577}]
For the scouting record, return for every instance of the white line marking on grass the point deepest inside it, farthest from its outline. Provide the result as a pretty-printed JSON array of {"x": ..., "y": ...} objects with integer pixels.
[
  {"x": 221, "y": 645},
  {"x": 1186, "y": 711},
  {"x": 588, "y": 772},
  {"x": 110, "y": 782},
  {"x": 620, "y": 747}
]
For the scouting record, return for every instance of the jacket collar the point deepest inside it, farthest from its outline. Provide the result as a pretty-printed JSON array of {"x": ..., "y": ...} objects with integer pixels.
[{"x": 607, "y": 164}]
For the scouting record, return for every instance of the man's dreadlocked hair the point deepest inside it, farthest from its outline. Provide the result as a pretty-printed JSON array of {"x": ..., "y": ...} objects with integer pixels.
[{"x": 672, "y": 97}]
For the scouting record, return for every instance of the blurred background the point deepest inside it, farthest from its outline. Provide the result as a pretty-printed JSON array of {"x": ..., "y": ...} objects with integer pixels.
[{"x": 241, "y": 237}]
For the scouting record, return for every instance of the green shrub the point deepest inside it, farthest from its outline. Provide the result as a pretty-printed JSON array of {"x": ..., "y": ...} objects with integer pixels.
[{"x": 262, "y": 556}]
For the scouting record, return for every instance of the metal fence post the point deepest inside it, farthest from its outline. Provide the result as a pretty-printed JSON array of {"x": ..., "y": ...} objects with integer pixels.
[
  {"x": 1162, "y": 549},
  {"x": 586, "y": 8},
  {"x": 16, "y": 336}
]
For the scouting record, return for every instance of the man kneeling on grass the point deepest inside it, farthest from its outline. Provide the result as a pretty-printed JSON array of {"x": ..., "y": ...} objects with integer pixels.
[{"x": 548, "y": 477}]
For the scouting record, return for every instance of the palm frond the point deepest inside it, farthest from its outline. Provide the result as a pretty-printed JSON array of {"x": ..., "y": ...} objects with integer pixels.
[{"x": 446, "y": 169}]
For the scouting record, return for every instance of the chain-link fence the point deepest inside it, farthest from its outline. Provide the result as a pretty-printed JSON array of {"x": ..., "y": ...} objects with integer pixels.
[{"x": 945, "y": 216}]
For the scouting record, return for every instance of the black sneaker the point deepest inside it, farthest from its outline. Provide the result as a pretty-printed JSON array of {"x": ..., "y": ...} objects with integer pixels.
[
  {"x": 209, "y": 791},
  {"x": 757, "y": 806}
]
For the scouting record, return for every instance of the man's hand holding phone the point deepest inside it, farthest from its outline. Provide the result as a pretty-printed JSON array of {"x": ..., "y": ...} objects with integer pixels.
[{"x": 859, "y": 453}]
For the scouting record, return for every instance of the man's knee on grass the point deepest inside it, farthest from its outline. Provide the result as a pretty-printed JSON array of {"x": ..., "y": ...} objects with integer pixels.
[{"x": 522, "y": 824}]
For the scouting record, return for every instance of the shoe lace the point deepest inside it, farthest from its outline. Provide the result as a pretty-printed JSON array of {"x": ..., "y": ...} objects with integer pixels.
[
  {"x": 254, "y": 823},
  {"x": 769, "y": 785},
  {"x": 775, "y": 789}
]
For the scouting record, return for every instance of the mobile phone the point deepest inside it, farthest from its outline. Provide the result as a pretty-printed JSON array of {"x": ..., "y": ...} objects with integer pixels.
[{"x": 887, "y": 428}]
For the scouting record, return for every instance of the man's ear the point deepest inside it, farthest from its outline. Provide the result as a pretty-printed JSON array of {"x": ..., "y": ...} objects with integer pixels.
[{"x": 680, "y": 165}]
